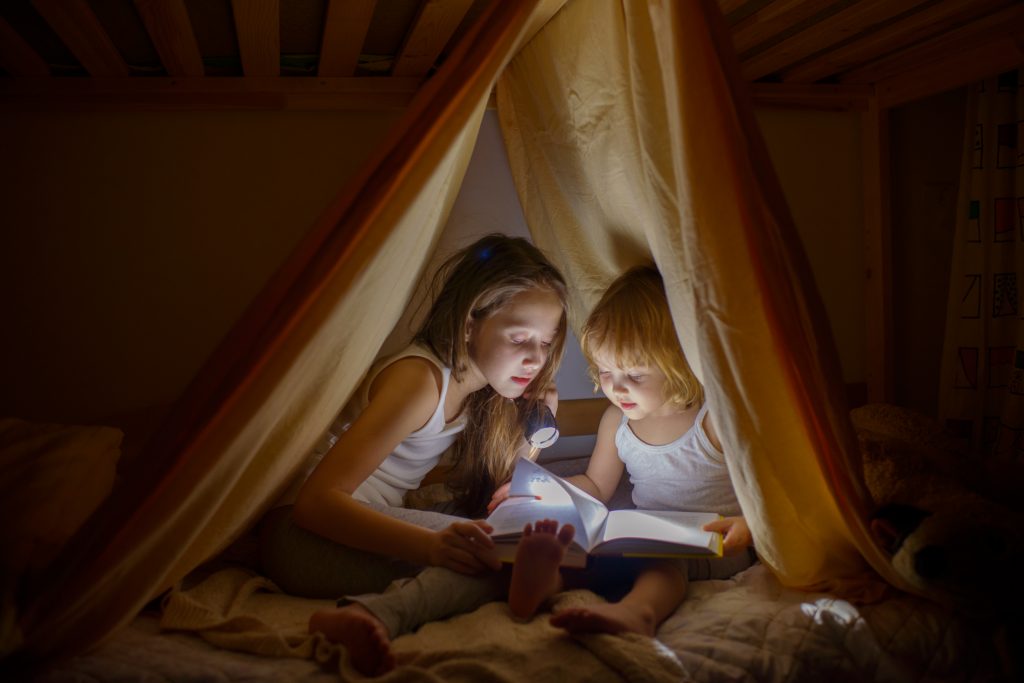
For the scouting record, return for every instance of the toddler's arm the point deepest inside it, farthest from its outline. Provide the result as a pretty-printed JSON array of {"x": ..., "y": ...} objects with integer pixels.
[{"x": 605, "y": 468}]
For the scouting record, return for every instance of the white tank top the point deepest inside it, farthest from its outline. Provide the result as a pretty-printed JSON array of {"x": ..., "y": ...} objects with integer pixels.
[
  {"x": 404, "y": 469},
  {"x": 686, "y": 474},
  {"x": 412, "y": 459}
]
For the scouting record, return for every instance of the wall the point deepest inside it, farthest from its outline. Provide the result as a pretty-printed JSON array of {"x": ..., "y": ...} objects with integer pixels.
[
  {"x": 927, "y": 140},
  {"x": 131, "y": 242},
  {"x": 817, "y": 156}
]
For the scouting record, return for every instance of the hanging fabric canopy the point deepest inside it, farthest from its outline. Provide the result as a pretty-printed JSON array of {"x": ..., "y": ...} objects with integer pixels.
[{"x": 629, "y": 137}]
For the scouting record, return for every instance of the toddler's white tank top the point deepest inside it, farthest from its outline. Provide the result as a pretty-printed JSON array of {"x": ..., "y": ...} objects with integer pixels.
[{"x": 686, "y": 474}]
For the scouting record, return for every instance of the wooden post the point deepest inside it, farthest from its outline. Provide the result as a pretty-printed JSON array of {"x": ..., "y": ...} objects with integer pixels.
[{"x": 878, "y": 252}]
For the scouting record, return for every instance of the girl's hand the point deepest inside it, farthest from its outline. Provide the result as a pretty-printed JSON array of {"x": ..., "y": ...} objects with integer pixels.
[
  {"x": 465, "y": 547},
  {"x": 500, "y": 495},
  {"x": 736, "y": 534},
  {"x": 550, "y": 397}
]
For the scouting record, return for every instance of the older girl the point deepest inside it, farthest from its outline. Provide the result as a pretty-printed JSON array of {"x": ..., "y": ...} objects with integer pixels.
[{"x": 494, "y": 332}]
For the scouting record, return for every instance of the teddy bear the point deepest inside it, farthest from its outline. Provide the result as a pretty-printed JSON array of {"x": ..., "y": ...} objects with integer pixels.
[{"x": 952, "y": 523}]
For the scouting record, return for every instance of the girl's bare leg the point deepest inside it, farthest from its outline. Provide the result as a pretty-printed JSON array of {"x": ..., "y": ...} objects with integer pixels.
[
  {"x": 535, "y": 575},
  {"x": 658, "y": 591}
]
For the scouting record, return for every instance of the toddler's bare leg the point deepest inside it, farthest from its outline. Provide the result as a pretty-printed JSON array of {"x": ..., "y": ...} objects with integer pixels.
[
  {"x": 535, "y": 575},
  {"x": 362, "y": 634},
  {"x": 658, "y": 591}
]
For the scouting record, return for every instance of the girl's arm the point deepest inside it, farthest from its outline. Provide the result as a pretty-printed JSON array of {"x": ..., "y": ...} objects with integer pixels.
[
  {"x": 605, "y": 468},
  {"x": 403, "y": 398}
]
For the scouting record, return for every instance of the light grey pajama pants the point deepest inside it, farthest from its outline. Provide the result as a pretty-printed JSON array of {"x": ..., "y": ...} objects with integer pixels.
[
  {"x": 405, "y": 596},
  {"x": 438, "y": 593},
  {"x": 306, "y": 564}
]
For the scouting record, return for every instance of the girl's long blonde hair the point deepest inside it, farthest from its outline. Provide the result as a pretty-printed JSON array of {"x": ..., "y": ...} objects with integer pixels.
[
  {"x": 474, "y": 283},
  {"x": 632, "y": 322}
]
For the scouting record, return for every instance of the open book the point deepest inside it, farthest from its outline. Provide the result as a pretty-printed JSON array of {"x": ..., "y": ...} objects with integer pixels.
[{"x": 537, "y": 494}]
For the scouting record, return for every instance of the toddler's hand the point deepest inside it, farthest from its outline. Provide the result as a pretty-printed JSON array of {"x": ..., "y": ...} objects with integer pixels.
[
  {"x": 465, "y": 547},
  {"x": 736, "y": 534}
]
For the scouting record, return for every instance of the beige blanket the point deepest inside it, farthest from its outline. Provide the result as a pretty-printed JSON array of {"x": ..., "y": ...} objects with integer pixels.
[{"x": 239, "y": 610}]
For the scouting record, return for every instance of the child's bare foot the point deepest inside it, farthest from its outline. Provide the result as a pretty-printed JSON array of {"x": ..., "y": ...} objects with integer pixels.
[
  {"x": 535, "y": 575},
  {"x": 614, "y": 618},
  {"x": 362, "y": 634}
]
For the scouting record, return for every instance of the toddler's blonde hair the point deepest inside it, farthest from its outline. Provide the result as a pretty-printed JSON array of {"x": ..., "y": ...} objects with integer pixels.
[{"x": 632, "y": 323}]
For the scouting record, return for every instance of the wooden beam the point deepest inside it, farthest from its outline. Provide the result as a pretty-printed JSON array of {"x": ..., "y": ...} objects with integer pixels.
[
  {"x": 973, "y": 64},
  {"x": 830, "y": 31},
  {"x": 581, "y": 416},
  {"x": 1007, "y": 22},
  {"x": 772, "y": 19},
  {"x": 171, "y": 32},
  {"x": 258, "y": 26},
  {"x": 344, "y": 34},
  {"x": 929, "y": 21},
  {"x": 76, "y": 25},
  {"x": 433, "y": 27},
  {"x": 223, "y": 93},
  {"x": 16, "y": 56},
  {"x": 825, "y": 97},
  {"x": 878, "y": 253},
  {"x": 204, "y": 94},
  {"x": 728, "y": 6}
]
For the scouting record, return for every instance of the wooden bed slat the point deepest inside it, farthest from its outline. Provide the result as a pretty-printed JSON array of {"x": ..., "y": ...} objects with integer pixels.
[
  {"x": 17, "y": 57},
  {"x": 931, "y": 20},
  {"x": 434, "y": 25},
  {"x": 973, "y": 63},
  {"x": 83, "y": 35},
  {"x": 344, "y": 34},
  {"x": 171, "y": 32},
  {"x": 836, "y": 28},
  {"x": 772, "y": 19},
  {"x": 728, "y": 6},
  {"x": 989, "y": 28},
  {"x": 258, "y": 25}
]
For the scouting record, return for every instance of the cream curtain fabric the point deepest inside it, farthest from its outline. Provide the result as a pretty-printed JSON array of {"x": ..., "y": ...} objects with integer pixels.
[
  {"x": 629, "y": 140},
  {"x": 276, "y": 383}
]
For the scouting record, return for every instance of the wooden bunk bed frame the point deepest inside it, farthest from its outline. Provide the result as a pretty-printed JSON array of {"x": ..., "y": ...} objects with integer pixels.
[{"x": 866, "y": 56}]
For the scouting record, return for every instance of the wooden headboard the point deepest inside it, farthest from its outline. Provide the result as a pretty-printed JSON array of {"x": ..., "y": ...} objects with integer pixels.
[{"x": 580, "y": 416}]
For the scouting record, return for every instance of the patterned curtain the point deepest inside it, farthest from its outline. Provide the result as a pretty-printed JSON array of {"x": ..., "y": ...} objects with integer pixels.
[{"x": 982, "y": 388}]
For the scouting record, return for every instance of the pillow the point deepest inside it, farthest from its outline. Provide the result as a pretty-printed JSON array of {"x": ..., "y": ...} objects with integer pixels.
[{"x": 52, "y": 477}]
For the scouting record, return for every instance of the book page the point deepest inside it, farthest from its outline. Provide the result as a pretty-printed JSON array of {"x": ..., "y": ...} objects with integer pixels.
[
  {"x": 592, "y": 512},
  {"x": 509, "y": 518},
  {"x": 556, "y": 494},
  {"x": 668, "y": 526}
]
